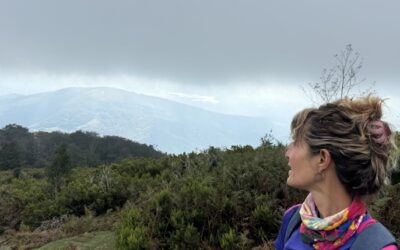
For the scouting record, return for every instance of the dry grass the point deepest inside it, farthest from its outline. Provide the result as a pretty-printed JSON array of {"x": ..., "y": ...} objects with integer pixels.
[
  {"x": 266, "y": 246},
  {"x": 69, "y": 227}
]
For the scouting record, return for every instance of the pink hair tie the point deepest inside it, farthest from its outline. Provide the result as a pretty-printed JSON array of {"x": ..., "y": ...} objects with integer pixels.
[{"x": 379, "y": 131}]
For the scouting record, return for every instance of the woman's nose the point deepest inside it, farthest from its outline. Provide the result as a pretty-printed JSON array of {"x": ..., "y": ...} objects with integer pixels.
[
  {"x": 288, "y": 150},
  {"x": 287, "y": 153}
]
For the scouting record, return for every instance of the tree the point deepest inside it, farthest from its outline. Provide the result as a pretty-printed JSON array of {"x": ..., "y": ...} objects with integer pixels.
[
  {"x": 59, "y": 168},
  {"x": 10, "y": 156},
  {"x": 339, "y": 81},
  {"x": 16, "y": 138}
]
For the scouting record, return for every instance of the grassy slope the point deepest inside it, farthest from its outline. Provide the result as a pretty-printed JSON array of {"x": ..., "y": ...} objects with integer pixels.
[{"x": 92, "y": 241}]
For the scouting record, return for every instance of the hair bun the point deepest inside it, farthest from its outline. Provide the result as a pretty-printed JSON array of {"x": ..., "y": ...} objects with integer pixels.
[{"x": 379, "y": 131}]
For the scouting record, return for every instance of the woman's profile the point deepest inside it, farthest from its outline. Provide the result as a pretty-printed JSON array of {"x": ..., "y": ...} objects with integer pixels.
[{"x": 341, "y": 154}]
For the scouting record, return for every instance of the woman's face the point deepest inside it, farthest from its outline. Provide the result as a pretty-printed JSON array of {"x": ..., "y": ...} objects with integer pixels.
[{"x": 303, "y": 166}]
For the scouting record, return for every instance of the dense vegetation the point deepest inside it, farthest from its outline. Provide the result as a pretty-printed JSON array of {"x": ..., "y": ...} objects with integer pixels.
[
  {"x": 21, "y": 148},
  {"x": 216, "y": 199}
]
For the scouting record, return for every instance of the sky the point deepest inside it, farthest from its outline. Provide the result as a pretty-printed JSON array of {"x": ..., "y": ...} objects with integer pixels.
[{"x": 238, "y": 57}]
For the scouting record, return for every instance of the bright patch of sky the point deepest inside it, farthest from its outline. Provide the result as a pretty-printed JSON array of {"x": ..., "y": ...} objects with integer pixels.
[
  {"x": 246, "y": 98},
  {"x": 275, "y": 101}
]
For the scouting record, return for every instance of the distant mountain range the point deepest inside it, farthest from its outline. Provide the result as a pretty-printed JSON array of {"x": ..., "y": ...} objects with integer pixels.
[{"x": 169, "y": 126}]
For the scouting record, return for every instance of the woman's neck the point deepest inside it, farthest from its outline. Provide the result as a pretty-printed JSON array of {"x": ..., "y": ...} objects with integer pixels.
[
  {"x": 330, "y": 195},
  {"x": 331, "y": 203}
]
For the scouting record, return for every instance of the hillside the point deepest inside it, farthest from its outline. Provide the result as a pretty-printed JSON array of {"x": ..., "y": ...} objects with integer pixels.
[
  {"x": 21, "y": 148},
  {"x": 169, "y": 126}
]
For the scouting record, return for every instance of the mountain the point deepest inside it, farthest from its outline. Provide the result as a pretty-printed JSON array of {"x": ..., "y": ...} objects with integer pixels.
[{"x": 169, "y": 126}]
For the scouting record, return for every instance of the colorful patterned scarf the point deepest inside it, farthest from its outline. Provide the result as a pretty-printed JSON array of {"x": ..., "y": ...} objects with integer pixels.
[{"x": 333, "y": 231}]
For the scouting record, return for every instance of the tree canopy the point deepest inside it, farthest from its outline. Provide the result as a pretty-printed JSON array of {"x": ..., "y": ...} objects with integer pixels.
[{"x": 21, "y": 148}]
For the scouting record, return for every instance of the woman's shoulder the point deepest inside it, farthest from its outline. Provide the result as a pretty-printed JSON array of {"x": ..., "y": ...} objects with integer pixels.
[
  {"x": 282, "y": 235},
  {"x": 390, "y": 247},
  {"x": 372, "y": 233},
  {"x": 289, "y": 212},
  {"x": 366, "y": 222}
]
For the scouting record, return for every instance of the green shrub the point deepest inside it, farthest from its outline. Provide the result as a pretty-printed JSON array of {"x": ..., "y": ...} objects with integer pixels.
[
  {"x": 96, "y": 189},
  {"x": 78, "y": 225},
  {"x": 27, "y": 200},
  {"x": 132, "y": 233},
  {"x": 229, "y": 240},
  {"x": 386, "y": 209},
  {"x": 264, "y": 222},
  {"x": 186, "y": 237}
]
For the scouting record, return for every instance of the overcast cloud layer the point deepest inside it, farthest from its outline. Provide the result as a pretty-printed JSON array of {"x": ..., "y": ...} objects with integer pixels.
[
  {"x": 230, "y": 56},
  {"x": 197, "y": 42}
]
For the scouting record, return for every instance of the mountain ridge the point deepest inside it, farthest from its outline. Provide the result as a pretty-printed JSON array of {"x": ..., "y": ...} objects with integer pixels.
[{"x": 169, "y": 126}]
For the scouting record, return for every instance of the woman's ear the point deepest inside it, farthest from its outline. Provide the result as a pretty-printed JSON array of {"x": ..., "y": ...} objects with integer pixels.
[{"x": 325, "y": 160}]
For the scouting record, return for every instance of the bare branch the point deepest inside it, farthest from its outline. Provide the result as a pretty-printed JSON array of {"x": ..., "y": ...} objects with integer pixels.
[{"x": 339, "y": 81}]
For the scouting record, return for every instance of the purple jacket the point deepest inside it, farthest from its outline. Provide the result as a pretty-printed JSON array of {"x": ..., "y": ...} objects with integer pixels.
[{"x": 295, "y": 243}]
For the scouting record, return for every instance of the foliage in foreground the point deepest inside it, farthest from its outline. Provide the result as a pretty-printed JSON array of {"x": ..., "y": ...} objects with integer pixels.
[{"x": 216, "y": 199}]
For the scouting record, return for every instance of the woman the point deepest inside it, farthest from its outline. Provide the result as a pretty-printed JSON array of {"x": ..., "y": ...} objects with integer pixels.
[{"x": 340, "y": 154}]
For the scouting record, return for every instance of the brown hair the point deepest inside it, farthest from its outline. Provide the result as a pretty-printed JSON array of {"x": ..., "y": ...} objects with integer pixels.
[{"x": 346, "y": 128}]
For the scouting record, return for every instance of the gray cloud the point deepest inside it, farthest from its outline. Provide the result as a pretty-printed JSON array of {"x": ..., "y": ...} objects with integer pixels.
[{"x": 198, "y": 41}]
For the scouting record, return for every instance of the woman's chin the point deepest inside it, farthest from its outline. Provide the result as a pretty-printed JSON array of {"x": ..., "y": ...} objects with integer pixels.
[{"x": 289, "y": 181}]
